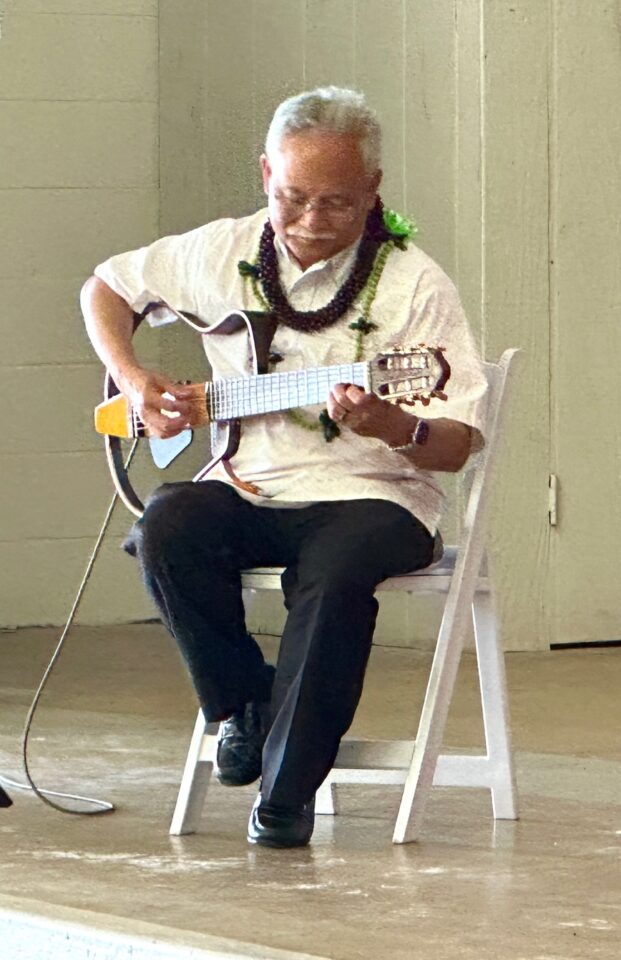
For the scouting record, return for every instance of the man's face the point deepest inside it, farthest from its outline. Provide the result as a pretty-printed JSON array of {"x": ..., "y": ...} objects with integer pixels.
[{"x": 319, "y": 193}]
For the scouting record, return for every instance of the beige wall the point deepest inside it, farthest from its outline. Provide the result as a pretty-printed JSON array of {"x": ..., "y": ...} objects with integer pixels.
[
  {"x": 460, "y": 88},
  {"x": 585, "y": 305},
  {"x": 78, "y": 181},
  {"x": 494, "y": 142},
  {"x": 491, "y": 133}
]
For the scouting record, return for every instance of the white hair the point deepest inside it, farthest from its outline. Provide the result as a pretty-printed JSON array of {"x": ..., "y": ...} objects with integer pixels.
[{"x": 335, "y": 109}]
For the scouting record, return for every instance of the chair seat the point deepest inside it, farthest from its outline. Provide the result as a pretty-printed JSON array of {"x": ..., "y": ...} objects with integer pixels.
[{"x": 268, "y": 578}]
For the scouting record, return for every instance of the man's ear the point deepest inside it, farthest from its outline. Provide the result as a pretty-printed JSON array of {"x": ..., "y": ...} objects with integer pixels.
[
  {"x": 266, "y": 171},
  {"x": 374, "y": 185}
]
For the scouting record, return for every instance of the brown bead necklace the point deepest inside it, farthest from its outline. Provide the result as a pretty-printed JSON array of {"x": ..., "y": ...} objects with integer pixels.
[{"x": 265, "y": 272}]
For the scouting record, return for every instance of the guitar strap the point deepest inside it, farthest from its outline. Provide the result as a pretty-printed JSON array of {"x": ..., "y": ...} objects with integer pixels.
[{"x": 263, "y": 327}]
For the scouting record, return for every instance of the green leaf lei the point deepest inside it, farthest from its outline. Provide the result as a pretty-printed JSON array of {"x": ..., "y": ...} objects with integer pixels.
[{"x": 401, "y": 230}]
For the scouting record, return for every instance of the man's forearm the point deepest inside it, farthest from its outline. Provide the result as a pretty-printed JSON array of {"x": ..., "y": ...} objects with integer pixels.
[
  {"x": 447, "y": 445},
  {"x": 110, "y": 325},
  {"x": 153, "y": 395},
  {"x": 446, "y": 448}
]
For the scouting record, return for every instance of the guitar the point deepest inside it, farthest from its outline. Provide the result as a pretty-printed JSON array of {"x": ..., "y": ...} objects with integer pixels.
[{"x": 401, "y": 375}]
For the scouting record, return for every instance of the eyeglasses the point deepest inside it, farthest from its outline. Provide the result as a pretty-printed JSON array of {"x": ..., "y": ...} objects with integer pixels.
[{"x": 333, "y": 208}]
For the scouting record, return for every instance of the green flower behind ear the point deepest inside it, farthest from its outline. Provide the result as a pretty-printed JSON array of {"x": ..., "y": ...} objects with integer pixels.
[{"x": 399, "y": 226}]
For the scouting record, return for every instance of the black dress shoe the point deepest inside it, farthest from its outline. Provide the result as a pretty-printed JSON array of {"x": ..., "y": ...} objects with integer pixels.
[
  {"x": 240, "y": 745},
  {"x": 274, "y": 826}
]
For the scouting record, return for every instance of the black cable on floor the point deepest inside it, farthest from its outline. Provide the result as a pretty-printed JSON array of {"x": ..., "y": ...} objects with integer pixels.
[{"x": 102, "y": 806}]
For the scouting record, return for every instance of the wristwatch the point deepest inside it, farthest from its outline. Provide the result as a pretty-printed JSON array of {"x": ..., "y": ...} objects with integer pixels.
[{"x": 419, "y": 436}]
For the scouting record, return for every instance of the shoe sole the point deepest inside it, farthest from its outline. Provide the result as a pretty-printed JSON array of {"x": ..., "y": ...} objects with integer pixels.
[
  {"x": 232, "y": 782},
  {"x": 275, "y": 844}
]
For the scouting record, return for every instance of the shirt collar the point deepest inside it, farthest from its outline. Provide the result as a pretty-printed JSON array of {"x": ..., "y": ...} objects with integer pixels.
[{"x": 334, "y": 264}]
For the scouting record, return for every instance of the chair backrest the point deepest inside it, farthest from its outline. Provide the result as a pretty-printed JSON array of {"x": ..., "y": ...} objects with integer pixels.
[
  {"x": 473, "y": 536},
  {"x": 498, "y": 380}
]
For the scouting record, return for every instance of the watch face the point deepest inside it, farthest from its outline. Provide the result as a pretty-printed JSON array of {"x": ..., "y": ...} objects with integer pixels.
[{"x": 421, "y": 433}]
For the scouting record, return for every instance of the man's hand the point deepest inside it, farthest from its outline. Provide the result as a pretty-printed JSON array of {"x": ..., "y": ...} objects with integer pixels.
[
  {"x": 110, "y": 325},
  {"x": 448, "y": 445},
  {"x": 369, "y": 415},
  {"x": 146, "y": 389}
]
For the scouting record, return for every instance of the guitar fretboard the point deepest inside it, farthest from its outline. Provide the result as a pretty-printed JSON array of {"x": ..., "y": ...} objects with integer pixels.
[{"x": 267, "y": 393}]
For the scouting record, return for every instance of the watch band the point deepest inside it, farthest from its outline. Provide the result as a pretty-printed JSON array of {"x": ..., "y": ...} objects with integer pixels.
[
  {"x": 421, "y": 432},
  {"x": 419, "y": 437}
]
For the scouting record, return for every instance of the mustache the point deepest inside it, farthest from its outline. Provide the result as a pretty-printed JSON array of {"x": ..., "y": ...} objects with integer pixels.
[{"x": 306, "y": 235}]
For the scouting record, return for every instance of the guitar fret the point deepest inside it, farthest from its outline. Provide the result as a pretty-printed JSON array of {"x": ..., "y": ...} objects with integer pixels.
[{"x": 271, "y": 392}]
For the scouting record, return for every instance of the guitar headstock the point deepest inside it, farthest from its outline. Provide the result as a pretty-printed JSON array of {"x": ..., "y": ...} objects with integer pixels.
[{"x": 409, "y": 375}]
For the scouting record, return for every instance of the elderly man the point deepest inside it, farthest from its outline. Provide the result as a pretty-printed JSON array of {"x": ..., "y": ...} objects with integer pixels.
[{"x": 343, "y": 281}]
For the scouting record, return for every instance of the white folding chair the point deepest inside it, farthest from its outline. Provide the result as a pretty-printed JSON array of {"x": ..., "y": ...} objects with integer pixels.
[{"x": 462, "y": 575}]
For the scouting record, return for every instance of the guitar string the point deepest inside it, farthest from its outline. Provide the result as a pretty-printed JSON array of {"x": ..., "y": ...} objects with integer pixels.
[{"x": 247, "y": 396}]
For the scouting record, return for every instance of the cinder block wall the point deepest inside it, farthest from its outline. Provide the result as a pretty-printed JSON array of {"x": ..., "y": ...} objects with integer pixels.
[
  {"x": 124, "y": 119},
  {"x": 78, "y": 181}
]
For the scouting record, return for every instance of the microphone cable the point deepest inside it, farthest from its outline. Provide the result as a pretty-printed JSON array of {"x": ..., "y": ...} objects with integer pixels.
[{"x": 101, "y": 806}]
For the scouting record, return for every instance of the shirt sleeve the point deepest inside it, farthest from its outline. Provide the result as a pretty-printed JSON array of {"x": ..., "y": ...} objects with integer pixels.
[
  {"x": 437, "y": 319},
  {"x": 162, "y": 273}
]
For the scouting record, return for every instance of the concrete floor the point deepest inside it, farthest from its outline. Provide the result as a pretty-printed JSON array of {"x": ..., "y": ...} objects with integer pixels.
[{"x": 115, "y": 724}]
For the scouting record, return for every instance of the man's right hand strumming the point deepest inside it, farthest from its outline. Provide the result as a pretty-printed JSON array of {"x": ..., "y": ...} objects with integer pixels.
[
  {"x": 150, "y": 393},
  {"x": 110, "y": 325}
]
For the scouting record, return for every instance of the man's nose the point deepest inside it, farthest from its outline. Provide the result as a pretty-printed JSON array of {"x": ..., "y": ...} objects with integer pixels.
[{"x": 312, "y": 213}]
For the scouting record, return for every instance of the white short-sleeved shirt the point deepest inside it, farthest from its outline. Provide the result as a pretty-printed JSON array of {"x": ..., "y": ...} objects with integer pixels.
[{"x": 292, "y": 466}]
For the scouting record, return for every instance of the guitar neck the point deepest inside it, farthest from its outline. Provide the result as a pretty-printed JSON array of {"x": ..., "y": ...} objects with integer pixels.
[
  {"x": 231, "y": 399},
  {"x": 400, "y": 376}
]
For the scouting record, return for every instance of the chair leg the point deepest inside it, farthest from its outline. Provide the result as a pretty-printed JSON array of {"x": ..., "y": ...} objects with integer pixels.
[
  {"x": 325, "y": 798},
  {"x": 195, "y": 779},
  {"x": 419, "y": 780},
  {"x": 494, "y": 701}
]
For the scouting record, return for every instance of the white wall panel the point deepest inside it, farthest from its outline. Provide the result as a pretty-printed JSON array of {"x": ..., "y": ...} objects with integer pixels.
[
  {"x": 329, "y": 43},
  {"x": 379, "y": 27},
  {"x": 585, "y": 284},
  {"x": 72, "y": 57},
  {"x": 85, "y": 8},
  {"x": 184, "y": 133},
  {"x": 78, "y": 144},
  {"x": 514, "y": 141},
  {"x": 41, "y": 323},
  {"x": 49, "y": 408},
  {"x": 78, "y": 181},
  {"x": 429, "y": 122},
  {"x": 41, "y": 579},
  {"x": 51, "y": 232}
]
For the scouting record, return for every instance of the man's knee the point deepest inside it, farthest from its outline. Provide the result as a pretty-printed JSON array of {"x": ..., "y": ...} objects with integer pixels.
[
  {"x": 182, "y": 518},
  {"x": 161, "y": 522}
]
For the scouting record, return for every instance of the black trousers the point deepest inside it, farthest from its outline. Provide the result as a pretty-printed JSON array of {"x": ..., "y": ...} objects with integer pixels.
[{"x": 194, "y": 540}]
